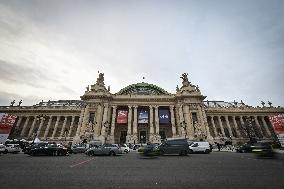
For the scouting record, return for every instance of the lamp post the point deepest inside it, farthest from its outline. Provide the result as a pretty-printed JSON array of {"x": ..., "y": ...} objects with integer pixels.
[
  {"x": 183, "y": 125},
  {"x": 199, "y": 133},
  {"x": 106, "y": 125},
  {"x": 40, "y": 117},
  {"x": 248, "y": 127},
  {"x": 65, "y": 134}
]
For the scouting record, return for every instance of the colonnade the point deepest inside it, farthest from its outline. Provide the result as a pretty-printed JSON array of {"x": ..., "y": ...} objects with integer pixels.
[
  {"x": 235, "y": 126},
  {"x": 46, "y": 127}
]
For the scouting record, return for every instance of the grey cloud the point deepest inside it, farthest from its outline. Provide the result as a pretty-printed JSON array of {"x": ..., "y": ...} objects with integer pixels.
[{"x": 21, "y": 74}]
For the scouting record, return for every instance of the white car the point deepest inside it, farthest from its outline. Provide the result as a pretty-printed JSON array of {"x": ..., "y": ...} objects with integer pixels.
[
  {"x": 200, "y": 147},
  {"x": 12, "y": 148},
  {"x": 3, "y": 149},
  {"x": 124, "y": 148}
]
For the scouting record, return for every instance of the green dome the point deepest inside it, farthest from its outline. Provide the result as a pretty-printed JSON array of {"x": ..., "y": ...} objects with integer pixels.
[{"x": 142, "y": 89}]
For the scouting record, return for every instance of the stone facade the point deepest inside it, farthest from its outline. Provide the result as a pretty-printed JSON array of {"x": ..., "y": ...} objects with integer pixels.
[{"x": 94, "y": 116}]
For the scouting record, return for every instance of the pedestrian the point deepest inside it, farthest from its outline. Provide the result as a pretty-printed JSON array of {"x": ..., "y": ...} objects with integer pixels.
[{"x": 218, "y": 146}]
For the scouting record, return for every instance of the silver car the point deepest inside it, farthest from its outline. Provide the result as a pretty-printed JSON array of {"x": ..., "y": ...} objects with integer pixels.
[{"x": 105, "y": 149}]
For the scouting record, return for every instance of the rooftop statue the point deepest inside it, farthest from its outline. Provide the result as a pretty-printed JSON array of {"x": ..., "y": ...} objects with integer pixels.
[
  {"x": 12, "y": 103},
  {"x": 185, "y": 82},
  {"x": 100, "y": 79}
]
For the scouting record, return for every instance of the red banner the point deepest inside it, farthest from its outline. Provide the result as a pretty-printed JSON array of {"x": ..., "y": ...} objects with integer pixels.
[
  {"x": 277, "y": 123},
  {"x": 6, "y": 123},
  {"x": 122, "y": 116}
]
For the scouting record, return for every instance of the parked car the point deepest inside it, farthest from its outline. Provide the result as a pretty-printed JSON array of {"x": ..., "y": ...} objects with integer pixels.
[
  {"x": 12, "y": 148},
  {"x": 105, "y": 149},
  {"x": 245, "y": 148},
  {"x": 263, "y": 149},
  {"x": 124, "y": 148},
  {"x": 51, "y": 149},
  {"x": 197, "y": 147},
  {"x": 149, "y": 150},
  {"x": 3, "y": 149},
  {"x": 174, "y": 146},
  {"x": 79, "y": 148}
]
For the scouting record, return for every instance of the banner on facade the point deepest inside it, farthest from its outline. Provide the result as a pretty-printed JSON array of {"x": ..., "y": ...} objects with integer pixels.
[
  {"x": 6, "y": 124},
  {"x": 122, "y": 116},
  {"x": 277, "y": 122},
  {"x": 143, "y": 116},
  {"x": 164, "y": 116}
]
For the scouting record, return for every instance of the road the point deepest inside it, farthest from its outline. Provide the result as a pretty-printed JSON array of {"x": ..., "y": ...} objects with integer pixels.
[{"x": 215, "y": 170}]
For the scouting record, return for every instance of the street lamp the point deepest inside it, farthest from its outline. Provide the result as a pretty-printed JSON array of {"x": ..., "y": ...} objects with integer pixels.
[
  {"x": 36, "y": 132},
  {"x": 248, "y": 127},
  {"x": 106, "y": 125},
  {"x": 183, "y": 125},
  {"x": 199, "y": 133},
  {"x": 65, "y": 134}
]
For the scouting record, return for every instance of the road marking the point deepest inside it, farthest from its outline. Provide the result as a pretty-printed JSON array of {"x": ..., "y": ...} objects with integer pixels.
[{"x": 80, "y": 163}]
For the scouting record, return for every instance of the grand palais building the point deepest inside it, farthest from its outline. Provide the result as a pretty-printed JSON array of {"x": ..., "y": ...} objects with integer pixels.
[{"x": 141, "y": 113}]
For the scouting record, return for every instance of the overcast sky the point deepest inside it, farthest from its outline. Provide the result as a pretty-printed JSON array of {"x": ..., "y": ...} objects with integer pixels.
[{"x": 51, "y": 50}]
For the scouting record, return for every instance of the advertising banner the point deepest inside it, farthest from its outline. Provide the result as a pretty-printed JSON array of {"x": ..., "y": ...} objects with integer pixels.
[
  {"x": 277, "y": 122},
  {"x": 6, "y": 124},
  {"x": 122, "y": 116},
  {"x": 164, "y": 116},
  {"x": 143, "y": 116}
]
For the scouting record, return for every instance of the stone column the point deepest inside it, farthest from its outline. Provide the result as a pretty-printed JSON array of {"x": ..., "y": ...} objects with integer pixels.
[
  {"x": 104, "y": 124},
  {"x": 178, "y": 121},
  {"x": 229, "y": 126},
  {"x": 266, "y": 126},
  {"x": 32, "y": 128},
  {"x": 18, "y": 122},
  {"x": 173, "y": 121},
  {"x": 189, "y": 131},
  {"x": 113, "y": 122},
  {"x": 152, "y": 132},
  {"x": 258, "y": 126},
  {"x": 135, "y": 134},
  {"x": 63, "y": 127},
  {"x": 80, "y": 122},
  {"x": 206, "y": 124},
  {"x": 181, "y": 119},
  {"x": 214, "y": 126},
  {"x": 85, "y": 120},
  {"x": 157, "y": 120},
  {"x": 236, "y": 126},
  {"x": 25, "y": 126},
  {"x": 48, "y": 126},
  {"x": 221, "y": 126},
  {"x": 98, "y": 120},
  {"x": 243, "y": 125},
  {"x": 55, "y": 127},
  {"x": 129, "y": 120},
  {"x": 71, "y": 126},
  {"x": 40, "y": 125}
]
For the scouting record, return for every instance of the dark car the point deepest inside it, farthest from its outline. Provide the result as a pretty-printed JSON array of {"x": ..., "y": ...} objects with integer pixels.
[
  {"x": 51, "y": 149},
  {"x": 27, "y": 148},
  {"x": 263, "y": 149},
  {"x": 245, "y": 148},
  {"x": 149, "y": 150},
  {"x": 174, "y": 146}
]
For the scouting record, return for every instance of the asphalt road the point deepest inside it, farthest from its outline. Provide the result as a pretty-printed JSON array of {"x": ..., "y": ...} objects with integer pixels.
[{"x": 215, "y": 170}]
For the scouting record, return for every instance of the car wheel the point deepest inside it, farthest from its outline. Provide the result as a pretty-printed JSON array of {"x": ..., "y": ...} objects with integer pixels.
[
  {"x": 207, "y": 151},
  {"x": 6, "y": 151},
  {"x": 191, "y": 151},
  {"x": 126, "y": 151},
  {"x": 112, "y": 153}
]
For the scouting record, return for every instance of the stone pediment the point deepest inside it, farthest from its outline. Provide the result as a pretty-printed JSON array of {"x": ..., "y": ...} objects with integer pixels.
[{"x": 142, "y": 89}]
